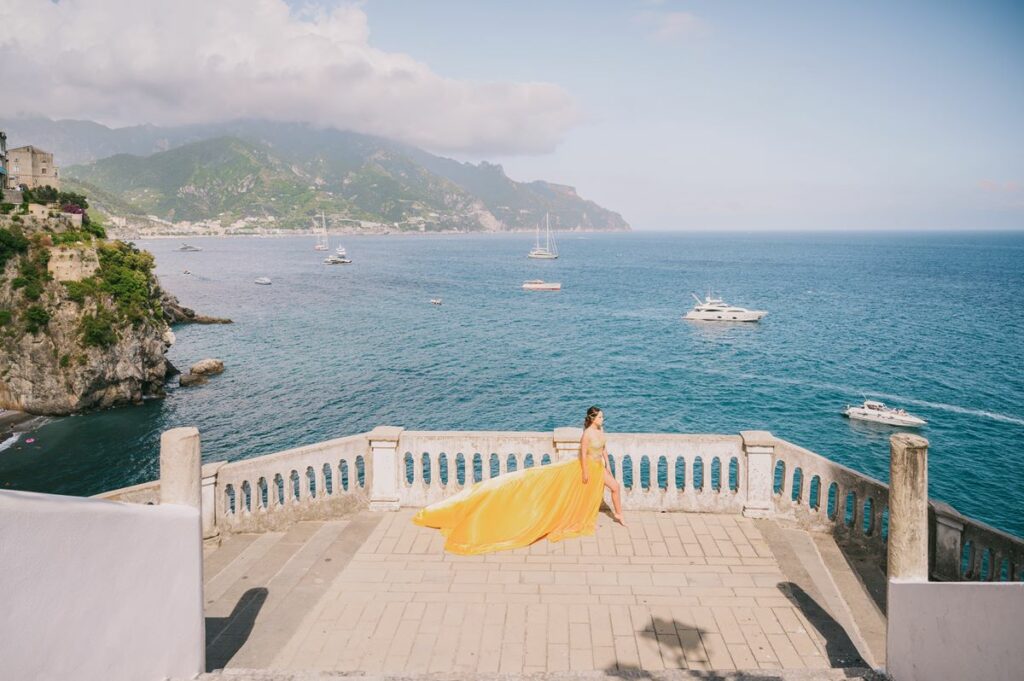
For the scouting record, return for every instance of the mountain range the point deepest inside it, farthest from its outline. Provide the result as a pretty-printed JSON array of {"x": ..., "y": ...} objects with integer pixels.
[{"x": 284, "y": 174}]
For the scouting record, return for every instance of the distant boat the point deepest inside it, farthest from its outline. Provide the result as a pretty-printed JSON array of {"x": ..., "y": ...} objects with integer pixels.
[
  {"x": 435, "y": 301},
  {"x": 321, "y": 236},
  {"x": 541, "y": 285},
  {"x": 548, "y": 251},
  {"x": 716, "y": 310},
  {"x": 262, "y": 281},
  {"x": 336, "y": 260},
  {"x": 186, "y": 272},
  {"x": 188, "y": 247},
  {"x": 340, "y": 250},
  {"x": 879, "y": 413}
]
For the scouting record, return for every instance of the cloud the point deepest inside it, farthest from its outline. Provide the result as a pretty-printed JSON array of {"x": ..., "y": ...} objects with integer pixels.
[
  {"x": 126, "y": 62},
  {"x": 1008, "y": 187},
  {"x": 671, "y": 26}
]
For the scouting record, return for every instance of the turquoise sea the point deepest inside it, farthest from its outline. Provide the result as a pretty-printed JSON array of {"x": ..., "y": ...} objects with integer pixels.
[{"x": 931, "y": 322}]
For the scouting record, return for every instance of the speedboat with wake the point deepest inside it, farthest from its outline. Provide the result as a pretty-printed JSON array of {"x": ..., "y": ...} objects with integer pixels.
[
  {"x": 872, "y": 410},
  {"x": 717, "y": 310}
]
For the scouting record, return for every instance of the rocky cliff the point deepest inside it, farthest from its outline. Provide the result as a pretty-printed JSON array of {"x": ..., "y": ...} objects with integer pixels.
[{"x": 81, "y": 320}]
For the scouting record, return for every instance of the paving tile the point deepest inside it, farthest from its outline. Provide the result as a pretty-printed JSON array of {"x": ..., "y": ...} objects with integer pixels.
[{"x": 673, "y": 591}]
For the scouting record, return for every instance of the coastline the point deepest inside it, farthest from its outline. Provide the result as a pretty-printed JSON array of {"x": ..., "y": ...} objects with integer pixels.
[
  {"x": 13, "y": 424},
  {"x": 118, "y": 234}
]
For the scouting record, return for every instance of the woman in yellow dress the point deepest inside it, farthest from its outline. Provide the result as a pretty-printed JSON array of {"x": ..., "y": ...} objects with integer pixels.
[{"x": 557, "y": 501}]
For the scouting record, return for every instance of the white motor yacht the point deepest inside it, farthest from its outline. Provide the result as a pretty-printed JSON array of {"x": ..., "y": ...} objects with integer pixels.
[
  {"x": 875, "y": 411},
  {"x": 189, "y": 247},
  {"x": 262, "y": 281},
  {"x": 336, "y": 260},
  {"x": 541, "y": 285},
  {"x": 717, "y": 310}
]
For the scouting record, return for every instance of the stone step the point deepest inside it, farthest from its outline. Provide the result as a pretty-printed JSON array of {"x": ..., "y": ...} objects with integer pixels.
[
  {"x": 667, "y": 675},
  {"x": 256, "y": 600},
  {"x": 218, "y": 556},
  {"x": 813, "y": 589},
  {"x": 241, "y": 597}
]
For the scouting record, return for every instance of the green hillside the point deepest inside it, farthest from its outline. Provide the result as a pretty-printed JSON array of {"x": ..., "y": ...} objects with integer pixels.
[{"x": 289, "y": 173}]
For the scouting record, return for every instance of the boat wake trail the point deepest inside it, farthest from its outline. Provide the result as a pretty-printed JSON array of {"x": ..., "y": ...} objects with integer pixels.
[
  {"x": 995, "y": 416},
  {"x": 901, "y": 399}
]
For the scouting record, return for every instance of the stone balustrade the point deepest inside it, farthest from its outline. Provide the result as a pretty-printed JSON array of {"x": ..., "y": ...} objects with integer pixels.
[
  {"x": 305, "y": 483},
  {"x": 825, "y": 496},
  {"x": 753, "y": 473}
]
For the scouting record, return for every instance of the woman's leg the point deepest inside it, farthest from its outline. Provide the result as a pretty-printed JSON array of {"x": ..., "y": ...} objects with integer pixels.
[{"x": 612, "y": 484}]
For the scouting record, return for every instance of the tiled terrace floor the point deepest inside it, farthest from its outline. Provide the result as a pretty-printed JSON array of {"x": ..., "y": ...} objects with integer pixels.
[{"x": 376, "y": 593}]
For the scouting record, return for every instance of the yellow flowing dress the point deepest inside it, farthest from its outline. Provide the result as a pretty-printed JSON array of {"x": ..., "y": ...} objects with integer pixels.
[{"x": 517, "y": 509}]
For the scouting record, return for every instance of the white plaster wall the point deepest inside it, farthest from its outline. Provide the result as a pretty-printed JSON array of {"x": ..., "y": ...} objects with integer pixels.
[
  {"x": 955, "y": 630},
  {"x": 98, "y": 590}
]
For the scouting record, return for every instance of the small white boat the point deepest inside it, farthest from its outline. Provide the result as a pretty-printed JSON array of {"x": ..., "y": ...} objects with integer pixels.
[
  {"x": 262, "y": 281},
  {"x": 873, "y": 410},
  {"x": 541, "y": 285},
  {"x": 547, "y": 251},
  {"x": 717, "y": 310},
  {"x": 435, "y": 301},
  {"x": 336, "y": 260},
  {"x": 340, "y": 250},
  {"x": 189, "y": 247}
]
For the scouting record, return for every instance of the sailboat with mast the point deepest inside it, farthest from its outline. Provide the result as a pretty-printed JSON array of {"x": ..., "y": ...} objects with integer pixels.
[
  {"x": 548, "y": 251},
  {"x": 322, "y": 243}
]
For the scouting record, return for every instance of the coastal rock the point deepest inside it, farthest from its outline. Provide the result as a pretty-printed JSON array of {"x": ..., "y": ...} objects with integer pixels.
[
  {"x": 207, "y": 367},
  {"x": 190, "y": 379},
  {"x": 50, "y": 372},
  {"x": 76, "y": 346},
  {"x": 176, "y": 313}
]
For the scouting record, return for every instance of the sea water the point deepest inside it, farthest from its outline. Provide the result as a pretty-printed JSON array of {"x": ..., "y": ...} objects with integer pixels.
[{"x": 930, "y": 322}]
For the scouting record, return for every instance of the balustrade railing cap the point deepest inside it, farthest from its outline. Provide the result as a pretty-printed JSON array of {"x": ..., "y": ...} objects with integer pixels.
[
  {"x": 908, "y": 441},
  {"x": 210, "y": 469},
  {"x": 179, "y": 433},
  {"x": 941, "y": 508},
  {"x": 757, "y": 438},
  {"x": 568, "y": 434},
  {"x": 385, "y": 433}
]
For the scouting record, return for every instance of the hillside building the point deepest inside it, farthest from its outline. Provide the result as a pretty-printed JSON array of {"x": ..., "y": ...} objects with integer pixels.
[
  {"x": 32, "y": 167},
  {"x": 3, "y": 160}
]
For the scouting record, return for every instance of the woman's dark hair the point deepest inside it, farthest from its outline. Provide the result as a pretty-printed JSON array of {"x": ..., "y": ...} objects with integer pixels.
[{"x": 591, "y": 415}]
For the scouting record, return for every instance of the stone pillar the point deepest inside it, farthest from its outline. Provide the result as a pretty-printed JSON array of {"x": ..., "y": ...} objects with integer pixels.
[
  {"x": 180, "y": 467},
  {"x": 949, "y": 532},
  {"x": 209, "y": 496},
  {"x": 384, "y": 468},
  {"x": 567, "y": 443},
  {"x": 908, "y": 508},
  {"x": 758, "y": 449}
]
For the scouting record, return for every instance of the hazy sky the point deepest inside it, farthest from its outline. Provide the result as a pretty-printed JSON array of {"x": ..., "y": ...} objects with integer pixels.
[{"x": 680, "y": 115}]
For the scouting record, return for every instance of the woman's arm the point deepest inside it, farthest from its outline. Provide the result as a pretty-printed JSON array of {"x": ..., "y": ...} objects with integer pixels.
[{"x": 584, "y": 441}]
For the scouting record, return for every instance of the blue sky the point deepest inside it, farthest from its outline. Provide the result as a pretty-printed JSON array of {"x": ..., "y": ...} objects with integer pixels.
[
  {"x": 688, "y": 115},
  {"x": 755, "y": 115}
]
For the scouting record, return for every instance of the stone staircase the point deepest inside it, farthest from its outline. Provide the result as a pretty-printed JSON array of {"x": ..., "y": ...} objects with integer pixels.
[
  {"x": 266, "y": 595},
  {"x": 258, "y": 587}
]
